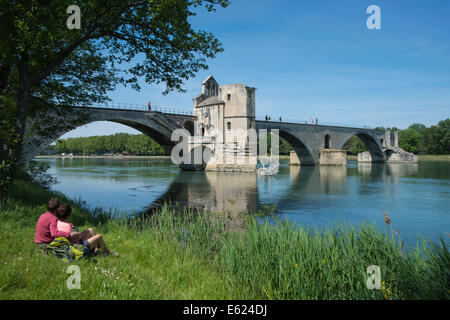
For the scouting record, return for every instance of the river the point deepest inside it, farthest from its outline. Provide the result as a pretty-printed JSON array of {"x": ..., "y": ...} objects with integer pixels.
[{"x": 416, "y": 196}]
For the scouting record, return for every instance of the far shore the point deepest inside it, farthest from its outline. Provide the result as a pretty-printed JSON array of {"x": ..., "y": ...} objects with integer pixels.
[
  {"x": 101, "y": 157},
  {"x": 439, "y": 157},
  {"x": 426, "y": 157},
  {"x": 114, "y": 157}
]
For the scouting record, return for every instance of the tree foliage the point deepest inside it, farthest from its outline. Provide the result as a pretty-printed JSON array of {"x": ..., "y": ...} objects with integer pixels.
[
  {"x": 44, "y": 64},
  {"x": 139, "y": 145},
  {"x": 426, "y": 140},
  {"x": 354, "y": 145}
]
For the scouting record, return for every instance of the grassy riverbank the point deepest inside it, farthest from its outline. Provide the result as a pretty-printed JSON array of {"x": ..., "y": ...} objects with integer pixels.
[
  {"x": 116, "y": 157},
  {"x": 101, "y": 157},
  {"x": 172, "y": 256},
  {"x": 430, "y": 157},
  {"x": 435, "y": 157}
]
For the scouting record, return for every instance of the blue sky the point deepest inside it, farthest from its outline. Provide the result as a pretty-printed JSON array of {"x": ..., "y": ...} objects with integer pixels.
[{"x": 313, "y": 59}]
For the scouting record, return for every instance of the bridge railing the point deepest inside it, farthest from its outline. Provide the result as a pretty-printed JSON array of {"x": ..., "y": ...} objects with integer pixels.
[
  {"x": 171, "y": 110},
  {"x": 140, "y": 107},
  {"x": 312, "y": 123}
]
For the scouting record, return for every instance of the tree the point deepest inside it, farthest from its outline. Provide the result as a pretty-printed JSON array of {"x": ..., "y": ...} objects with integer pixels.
[
  {"x": 444, "y": 141},
  {"x": 61, "y": 146},
  {"x": 44, "y": 64},
  {"x": 354, "y": 145},
  {"x": 418, "y": 127},
  {"x": 409, "y": 139}
]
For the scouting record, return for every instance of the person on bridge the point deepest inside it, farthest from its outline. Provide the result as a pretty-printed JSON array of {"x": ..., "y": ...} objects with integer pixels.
[
  {"x": 280, "y": 119},
  {"x": 149, "y": 106},
  {"x": 317, "y": 121}
]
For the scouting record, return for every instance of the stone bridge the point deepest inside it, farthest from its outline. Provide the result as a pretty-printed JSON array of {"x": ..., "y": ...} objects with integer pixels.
[
  {"x": 220, "y": 109},
  {"x": 308, "y": 140}
]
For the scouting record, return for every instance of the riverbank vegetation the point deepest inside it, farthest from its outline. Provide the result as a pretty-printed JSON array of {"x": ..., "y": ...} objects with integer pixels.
[
  {"x": 37, "y": 77},
  {"x": 173, "y": 255},
  {"x": 137, "y": 145},
  {"x": 133, "y": 144}
]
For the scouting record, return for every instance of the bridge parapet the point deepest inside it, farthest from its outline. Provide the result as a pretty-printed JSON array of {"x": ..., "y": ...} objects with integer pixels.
[
  {"x": 309, "y": 123},
  {"x": 139, "y": 107}
]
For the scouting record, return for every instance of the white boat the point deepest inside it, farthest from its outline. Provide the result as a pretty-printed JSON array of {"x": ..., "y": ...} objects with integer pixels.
[{"x": 270, "y": 170}]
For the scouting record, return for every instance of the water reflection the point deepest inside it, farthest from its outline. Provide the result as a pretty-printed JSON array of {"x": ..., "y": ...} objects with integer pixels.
[
  {"x": 213, "y": 191},
  {"x": 240, "y": 192},
  {"x": 308, "y": 179},
  {"x": 386, "y": 172},
  {"x": 333, "y": 179},
  {"x": 229, "y": 193}
]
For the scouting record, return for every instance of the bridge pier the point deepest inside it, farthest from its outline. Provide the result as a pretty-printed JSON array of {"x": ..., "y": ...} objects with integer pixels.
[
  {"x": 390, "y": 151},
  {"x": 333, "y": 157},
  {"x": 392, "y": 155},
  {"x": 293, "y": 158},
  {"x": 327, "y": 157}
]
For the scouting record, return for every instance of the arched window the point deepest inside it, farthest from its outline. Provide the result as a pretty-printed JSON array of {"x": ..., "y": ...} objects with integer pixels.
[
  {"x": 228, "y": 125},
  {"x": 189, "y": 126},
  {"x": 327, "y": 141}
]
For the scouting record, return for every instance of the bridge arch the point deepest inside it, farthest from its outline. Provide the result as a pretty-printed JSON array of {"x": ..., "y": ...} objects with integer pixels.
[
  {"x": 157, "y": 126},
  {"x": 372, "y": 143},
  {"x": 303, "y": 152},
  {"x": 199, "y": 157}
]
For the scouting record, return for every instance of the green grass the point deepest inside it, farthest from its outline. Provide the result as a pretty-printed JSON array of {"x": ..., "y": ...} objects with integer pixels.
[
  {"x": 434, "y": 157},
  {"x": 190, "y": 256},
  {"x": 425, "y": 157}
]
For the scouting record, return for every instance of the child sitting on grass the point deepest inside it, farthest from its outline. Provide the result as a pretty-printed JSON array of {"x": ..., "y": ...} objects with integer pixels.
[{"x": 92, "y": 242}]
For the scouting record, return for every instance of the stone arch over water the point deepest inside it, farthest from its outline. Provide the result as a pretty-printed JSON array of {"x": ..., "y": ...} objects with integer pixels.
[
  {"x": 303, "y": 152},
  {"x": 153, "y": 124},
  {"x": 372, "y": 143}
]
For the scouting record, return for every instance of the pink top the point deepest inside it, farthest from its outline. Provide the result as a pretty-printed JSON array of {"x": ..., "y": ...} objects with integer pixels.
[
  {"x": 46, "y": 229},
  {"x": 64, "y": 226}
]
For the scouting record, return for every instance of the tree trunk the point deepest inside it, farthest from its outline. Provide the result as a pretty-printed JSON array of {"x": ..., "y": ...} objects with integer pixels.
[
  {"x": 3, "y": 188},
  {"x": 12, "y": 148}
]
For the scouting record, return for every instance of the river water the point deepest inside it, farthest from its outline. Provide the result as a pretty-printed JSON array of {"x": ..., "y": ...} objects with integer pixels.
[{"x": 416, "y": 196}]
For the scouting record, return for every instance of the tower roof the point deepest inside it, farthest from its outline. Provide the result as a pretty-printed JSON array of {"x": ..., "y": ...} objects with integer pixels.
[
  {"x": 208, "y": 78},
  {"x": 213, "y": 100}
]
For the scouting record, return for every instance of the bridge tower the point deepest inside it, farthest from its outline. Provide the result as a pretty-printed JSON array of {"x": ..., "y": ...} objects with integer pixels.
[{"x": 225, "y": 119}]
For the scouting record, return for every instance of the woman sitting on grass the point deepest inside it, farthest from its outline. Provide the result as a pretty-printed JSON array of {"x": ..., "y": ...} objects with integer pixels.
[
  {"x": 92, "y": 242},
  {"x": 46, "y": 226}
]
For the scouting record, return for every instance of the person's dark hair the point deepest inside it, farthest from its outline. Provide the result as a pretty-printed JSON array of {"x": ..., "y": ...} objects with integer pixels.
[
  {"x": 53, "y": 204},
  {"x": 63, "y": 211}
]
